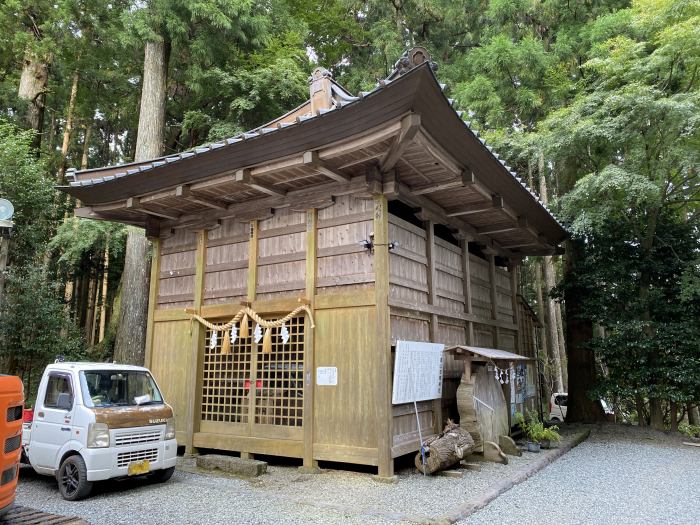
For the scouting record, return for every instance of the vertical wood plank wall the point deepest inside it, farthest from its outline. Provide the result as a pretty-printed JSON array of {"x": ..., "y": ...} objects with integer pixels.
[
  {"x": 177, "y": 267},
  {"x": 421, "y": 295},
  {"x": 362, "y": 304}
]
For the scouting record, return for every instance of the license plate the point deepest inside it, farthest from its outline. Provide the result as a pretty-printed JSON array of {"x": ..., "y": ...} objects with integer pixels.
[{"x": 139, "y": 467}]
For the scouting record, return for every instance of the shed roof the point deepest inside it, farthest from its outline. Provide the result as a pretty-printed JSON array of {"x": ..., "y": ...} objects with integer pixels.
[
  {"x": 300, "y": 151},
  {"x": 493, "y": 354}
]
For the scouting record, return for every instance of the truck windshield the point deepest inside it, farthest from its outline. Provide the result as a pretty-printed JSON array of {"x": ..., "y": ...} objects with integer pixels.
[{"x": 108, "y": 388}]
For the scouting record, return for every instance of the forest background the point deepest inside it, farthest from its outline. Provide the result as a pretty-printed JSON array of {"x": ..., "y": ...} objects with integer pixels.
[{"x": 596, "y": 102}]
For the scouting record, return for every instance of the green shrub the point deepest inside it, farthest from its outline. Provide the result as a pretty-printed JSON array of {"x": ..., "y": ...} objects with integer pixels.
[{"x": 689, "y": 430}]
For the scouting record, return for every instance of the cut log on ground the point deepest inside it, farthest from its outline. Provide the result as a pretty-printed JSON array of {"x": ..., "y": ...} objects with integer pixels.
[{"x": 445, "y": 449}]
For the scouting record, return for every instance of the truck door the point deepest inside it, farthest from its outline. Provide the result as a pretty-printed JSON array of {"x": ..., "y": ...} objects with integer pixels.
[{"x": 52, "y": 424}]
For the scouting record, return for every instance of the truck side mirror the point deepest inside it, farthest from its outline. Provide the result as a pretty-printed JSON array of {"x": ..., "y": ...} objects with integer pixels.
[{"x": 64, "y": 401}]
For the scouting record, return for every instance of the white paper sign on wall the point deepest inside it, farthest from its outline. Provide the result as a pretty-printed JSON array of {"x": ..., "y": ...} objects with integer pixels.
[
  {"x": 327, "y": 375},
  {"x": 417, "y": 371}
]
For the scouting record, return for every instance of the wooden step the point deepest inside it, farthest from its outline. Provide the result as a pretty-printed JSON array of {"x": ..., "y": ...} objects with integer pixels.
[{"x": 17, "y": 515}]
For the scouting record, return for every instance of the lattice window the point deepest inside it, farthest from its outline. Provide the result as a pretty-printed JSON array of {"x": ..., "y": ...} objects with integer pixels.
[
  {"x": 226, "y": 381},
  {"x": 280, "y": 396},
  {"x": 277, "y": 386}
]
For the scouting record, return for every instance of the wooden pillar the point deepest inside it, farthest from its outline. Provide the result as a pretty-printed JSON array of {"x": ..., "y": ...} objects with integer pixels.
[
  {"x": 250, "y": 296},
  {"x": 513, "y": 267},
  {"x": 432, "y": 299},
  {"x": 383, "y": 338},
  {"x": 309, "y": 335},
  {"x": 194, "y": 383},
  {"x": 467, "y": 287},
  {"x": 253, "y": 261},
  {"x": 152, "y": 298},
  {"x": 494, "y": 296}
]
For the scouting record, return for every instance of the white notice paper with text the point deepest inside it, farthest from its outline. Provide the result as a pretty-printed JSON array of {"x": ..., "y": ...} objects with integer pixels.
[
  {"x": 327, "y": 375},
  {"x": 417, "y": 371}
]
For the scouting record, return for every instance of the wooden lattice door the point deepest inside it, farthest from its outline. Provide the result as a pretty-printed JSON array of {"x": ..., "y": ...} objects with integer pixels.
[{"x": 252, "y": 393}]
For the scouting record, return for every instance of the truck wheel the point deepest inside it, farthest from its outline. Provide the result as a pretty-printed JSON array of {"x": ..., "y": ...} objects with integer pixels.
[
  {"x": 72, "y": 479},
  {"x": 163, "y": 475}
]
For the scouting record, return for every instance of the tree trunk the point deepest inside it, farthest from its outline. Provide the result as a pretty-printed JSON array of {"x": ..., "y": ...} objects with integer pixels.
[
  {"x": 130, "y": 343},
  {"x": 151, "y": 130},
  {"x": 551, "y": 321},
  {"x": 656, "y": 414},
  {"x": 90, "y": 315},
  {"x": 562, "y": 344},
  {"x": 82, "y": 300},
  {"x": 557, "y": 352},
  {"x": 68, "y": 129},
  {"x": 641, "y": 411},
  {"x": 544, "y": 336},
  {"x": 86, "y": 147},
  {"x": 656, "y": 417},
  {"x": 674, "y": 416},
  {"x": 32, "y": 89},
  {"x": 52, "y": 131},
  {"x": 693, "y": 415},
  {"x": 579, "y": 331},
  {"x": 95, "y": 303},
  {"x": 105, "y": 283},
  {"x": 445, "y": 449}
]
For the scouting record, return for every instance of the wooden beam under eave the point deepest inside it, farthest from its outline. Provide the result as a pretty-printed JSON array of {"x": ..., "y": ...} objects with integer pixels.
[
  {"x": 495, "y": 204},
  {"x": 134, "y": 204},
  {"x": 429, "y": 210},
  {"x": 185, "y": 192},
  {"x": 466, "y": 179},
  {"x": 246, "y": 178},
  {"x": 88, "y": 212},
  {"x": 261, "y": 207},
  {"x": 312, "y": 161},
  {"x": 492, "y": 230},
  {"x": 85, "y": 212},
  {"x": 410, "y": 125}
]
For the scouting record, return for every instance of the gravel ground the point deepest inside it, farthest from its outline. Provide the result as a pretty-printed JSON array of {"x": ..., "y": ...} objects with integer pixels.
[
  {"x": 620, "y": 475},
  {"x": 581, "y": 487}
]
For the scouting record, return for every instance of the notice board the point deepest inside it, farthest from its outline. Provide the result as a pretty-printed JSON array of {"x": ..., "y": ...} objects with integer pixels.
[{"x": 417, "y": 371}]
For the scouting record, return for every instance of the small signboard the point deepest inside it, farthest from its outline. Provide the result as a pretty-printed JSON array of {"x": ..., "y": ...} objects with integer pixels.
[
  {"x": 417, "y": 371},
  {"x": 327, "y": 376}
]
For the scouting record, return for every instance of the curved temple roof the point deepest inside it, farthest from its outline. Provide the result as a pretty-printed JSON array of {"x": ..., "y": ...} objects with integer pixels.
[{"x": 409, "y": 107}]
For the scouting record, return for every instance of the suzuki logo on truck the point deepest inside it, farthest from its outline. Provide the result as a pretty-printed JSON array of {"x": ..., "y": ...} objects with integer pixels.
[{"x": 156, "y": 421}]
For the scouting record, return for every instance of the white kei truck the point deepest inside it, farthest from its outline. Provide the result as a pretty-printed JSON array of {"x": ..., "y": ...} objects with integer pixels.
[{"x": 98, "y": 421}]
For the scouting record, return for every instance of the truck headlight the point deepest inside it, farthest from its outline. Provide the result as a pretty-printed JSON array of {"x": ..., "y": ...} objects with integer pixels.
[
  {"x": 170, "y": 428},
  {"x": 98, "y": 435}
]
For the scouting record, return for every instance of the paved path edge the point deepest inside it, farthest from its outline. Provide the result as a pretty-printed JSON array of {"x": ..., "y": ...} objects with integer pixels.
[{"x": 491, "y": 493}]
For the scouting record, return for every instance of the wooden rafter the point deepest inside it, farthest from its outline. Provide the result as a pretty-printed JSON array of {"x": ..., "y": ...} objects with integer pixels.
[
  {"x": 438, "y": 152},
  {"x": 431, "y": 211},
  {"x": 493, "y": 230},
  {"x": 410, "y": 125},
  {"x": 495, "y": 204},
  {"x": 466, "y": 179},
  {"x": 134, "y": 204},
  {"x": 519, "y": 224},
  {"x": 262, "y": 207},
  {"x": 312, "y": 161},
  {"x": 374, "y": 136},
  {"x": 185, "y": 192},
  {"x": 246, "y": 178},
  {"x": 88, "y": 212}
]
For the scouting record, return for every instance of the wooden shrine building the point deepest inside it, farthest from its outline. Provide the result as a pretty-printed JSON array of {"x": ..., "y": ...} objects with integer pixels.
[{"x": 384, "y": 213}]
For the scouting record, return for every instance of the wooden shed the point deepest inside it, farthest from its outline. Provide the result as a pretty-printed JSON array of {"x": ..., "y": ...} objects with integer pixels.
[{"x": 385, "y": 213}]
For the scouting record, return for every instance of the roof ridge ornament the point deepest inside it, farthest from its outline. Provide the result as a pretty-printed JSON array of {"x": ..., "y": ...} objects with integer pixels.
[{"x": 411, "y": 58}]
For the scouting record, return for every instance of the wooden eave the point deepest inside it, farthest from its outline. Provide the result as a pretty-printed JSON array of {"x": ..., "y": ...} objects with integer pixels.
[{"x": 403, "y": 140}]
